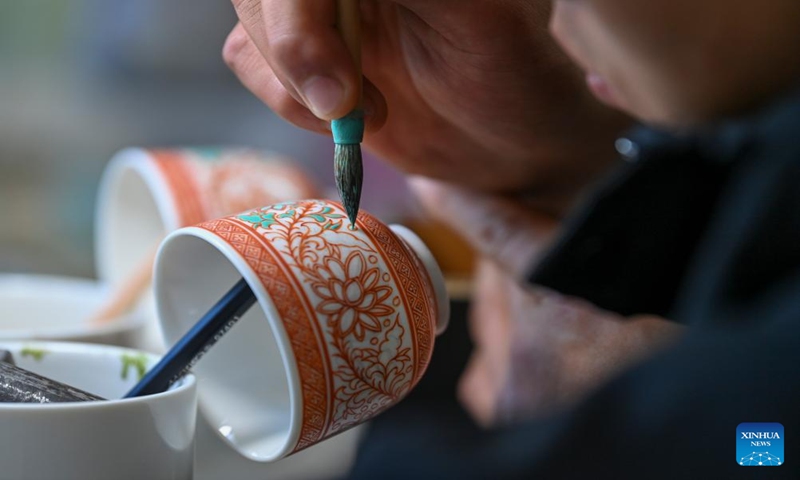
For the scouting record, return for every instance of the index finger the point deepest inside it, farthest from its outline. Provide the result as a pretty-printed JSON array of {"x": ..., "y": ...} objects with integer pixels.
[{"x": 300, "y": 42}]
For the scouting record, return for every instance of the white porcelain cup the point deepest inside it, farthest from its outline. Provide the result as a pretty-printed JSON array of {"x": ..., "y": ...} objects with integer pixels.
[
  {"x": 150, "y": 437},
  {"x": 343, "y": 328},
  {"x": 147, "y": 193},
  {"x": 59, "y": 308},
  {"x": 328, "y": 460}
]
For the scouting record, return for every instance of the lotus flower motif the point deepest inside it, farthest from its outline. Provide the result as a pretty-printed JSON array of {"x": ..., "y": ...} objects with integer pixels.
[{"x": 351, "y": 295}]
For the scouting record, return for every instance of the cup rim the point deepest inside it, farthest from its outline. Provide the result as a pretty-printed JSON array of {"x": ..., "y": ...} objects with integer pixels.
[
  {"x": 78, "y": 285},
  {"x": 188, "y": 383},
  {"x": 138, "y": 161},
  {"x": 434, "y": 272},
  {"x": 263, "y": 298}
]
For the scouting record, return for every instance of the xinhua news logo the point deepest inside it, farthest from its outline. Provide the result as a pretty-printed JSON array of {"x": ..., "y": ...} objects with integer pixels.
[{"x": 759, "y": 445}]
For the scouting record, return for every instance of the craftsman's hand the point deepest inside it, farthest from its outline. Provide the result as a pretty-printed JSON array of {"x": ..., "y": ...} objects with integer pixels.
[
  {"x": 473, "y": 92},
  {"x": 535, "y": 351}
]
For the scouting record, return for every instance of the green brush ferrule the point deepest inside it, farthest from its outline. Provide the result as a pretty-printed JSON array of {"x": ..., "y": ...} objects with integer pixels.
[{"x": 348, "y": 130}]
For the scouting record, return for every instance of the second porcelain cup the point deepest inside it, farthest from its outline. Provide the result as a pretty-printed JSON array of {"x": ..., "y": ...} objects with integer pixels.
[
  {"x": 344, "y": 326},
  {"x": 147, "y": 193}
]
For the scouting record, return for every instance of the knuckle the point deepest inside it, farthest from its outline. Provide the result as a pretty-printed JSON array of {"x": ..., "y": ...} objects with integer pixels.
[
  {"x": 490, "y": 234},
  {"x": 508, "y": 234},
  {"x": 234, "y": 48},
  {"x": 296, "y": 53}
]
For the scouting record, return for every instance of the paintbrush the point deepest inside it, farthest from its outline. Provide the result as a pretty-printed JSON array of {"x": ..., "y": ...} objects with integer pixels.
[
  {"x": 187, "y": 351},
  {"x": 18, "y": 385},
  {"x": 348, "y": 131},
  {"x": 5, "y": 356}
]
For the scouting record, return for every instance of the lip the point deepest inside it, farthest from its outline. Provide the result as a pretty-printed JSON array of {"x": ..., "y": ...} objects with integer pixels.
[{"x": 601, "y": 89}]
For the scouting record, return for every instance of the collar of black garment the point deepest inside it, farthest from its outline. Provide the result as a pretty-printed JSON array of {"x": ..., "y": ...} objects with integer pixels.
[
  {"x": 627, "y": 248},
  {"x": 724, "y": 141}
]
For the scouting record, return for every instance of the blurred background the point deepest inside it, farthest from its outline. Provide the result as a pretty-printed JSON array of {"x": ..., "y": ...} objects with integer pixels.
[{"x": 81, "y": 79}]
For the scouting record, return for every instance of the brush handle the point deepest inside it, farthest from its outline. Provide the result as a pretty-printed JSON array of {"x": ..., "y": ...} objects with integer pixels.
[
  {"x": 348, "y": 22},
  {"x": 180, "y": 359},
  {"x": 5, "y": 356},
  {"x": 18, "y": 385},
  {"x": 349, "y": 130}
]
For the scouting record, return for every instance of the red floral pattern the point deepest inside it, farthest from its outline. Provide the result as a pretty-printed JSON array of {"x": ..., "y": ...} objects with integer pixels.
[
  {"x": 352, "y": 296},
  {"x": 361, "y": 300},
  {"x": 224, "y": 182},
  {"x": 312, "y": 364}
]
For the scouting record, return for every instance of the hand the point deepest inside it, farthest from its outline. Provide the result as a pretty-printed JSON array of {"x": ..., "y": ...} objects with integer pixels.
[
  {"x": 476, "y": 92},
  {"x": 535, "y": 351}
]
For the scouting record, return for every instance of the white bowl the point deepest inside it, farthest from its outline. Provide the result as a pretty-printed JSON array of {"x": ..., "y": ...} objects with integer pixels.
[
  {"x": 148, "y": 437},
  {"x": 59, "y": 308}
]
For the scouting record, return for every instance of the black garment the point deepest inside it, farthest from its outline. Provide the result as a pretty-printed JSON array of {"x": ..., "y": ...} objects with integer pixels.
[{"x": 703, "y": 229}]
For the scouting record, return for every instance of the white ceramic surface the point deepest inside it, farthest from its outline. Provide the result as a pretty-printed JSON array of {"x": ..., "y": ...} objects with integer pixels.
[
  {"x": 135, "y": 210},
  {"x": 328, "y": 460},
  {"x": 59, "y": 308},
  {"x": 279, "y": 382},
  {"x": 150, "y": 437}
]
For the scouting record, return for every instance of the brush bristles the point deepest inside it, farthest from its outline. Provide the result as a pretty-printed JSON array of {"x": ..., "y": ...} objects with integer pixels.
[{"x": 349, "y": 175}]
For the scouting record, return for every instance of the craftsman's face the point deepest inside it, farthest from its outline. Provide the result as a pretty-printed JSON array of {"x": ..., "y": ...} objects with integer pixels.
[{"x": 682, "y": 62}]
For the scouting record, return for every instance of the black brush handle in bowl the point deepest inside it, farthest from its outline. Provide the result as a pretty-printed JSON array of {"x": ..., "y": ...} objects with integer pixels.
[{"x": 22, "y": 386}]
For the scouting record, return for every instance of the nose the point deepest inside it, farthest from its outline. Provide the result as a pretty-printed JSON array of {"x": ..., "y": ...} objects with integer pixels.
[
  {"x": 564, "y": 26},
  {"x": 559, "y": 21}
]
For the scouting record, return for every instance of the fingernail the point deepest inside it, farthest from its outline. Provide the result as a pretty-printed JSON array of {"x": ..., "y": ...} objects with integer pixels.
[{"x": 323, "y": 95}]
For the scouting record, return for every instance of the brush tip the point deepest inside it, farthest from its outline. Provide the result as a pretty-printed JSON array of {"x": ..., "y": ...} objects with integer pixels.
[{"x": 349, "y": 174}]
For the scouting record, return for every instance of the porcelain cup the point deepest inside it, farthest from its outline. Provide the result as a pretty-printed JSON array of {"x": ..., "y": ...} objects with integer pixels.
[
  {"x": 343, "y": 329},
  {"x": 148, "y": 437},
  {"x": 146, "y": 193}
]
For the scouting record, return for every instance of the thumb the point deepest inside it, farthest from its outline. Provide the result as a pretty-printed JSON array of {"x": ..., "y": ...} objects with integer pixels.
[{"x": 500, "y": 228}]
